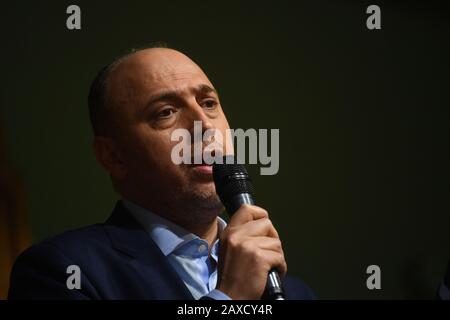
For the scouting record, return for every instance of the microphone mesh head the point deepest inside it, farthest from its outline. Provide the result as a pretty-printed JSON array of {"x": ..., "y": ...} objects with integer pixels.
[{"x": 231, "y": 179}]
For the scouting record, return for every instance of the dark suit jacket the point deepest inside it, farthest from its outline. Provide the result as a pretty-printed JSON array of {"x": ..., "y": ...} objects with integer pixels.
[{"x": 117, "y": 259}]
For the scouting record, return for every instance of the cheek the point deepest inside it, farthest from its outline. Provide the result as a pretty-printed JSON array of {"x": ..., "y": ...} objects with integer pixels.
[
  {"x": 146, "y": 149},
  {"x": 159, "y": 151}
]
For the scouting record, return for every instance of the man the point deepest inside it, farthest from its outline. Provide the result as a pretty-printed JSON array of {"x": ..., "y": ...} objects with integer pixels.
[{"x": 162, "y": 240}]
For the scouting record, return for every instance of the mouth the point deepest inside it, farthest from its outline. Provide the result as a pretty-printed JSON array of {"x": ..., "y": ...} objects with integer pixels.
[
  {"x": 201, "y": 168},
  {"x": 204, "y": 169}
]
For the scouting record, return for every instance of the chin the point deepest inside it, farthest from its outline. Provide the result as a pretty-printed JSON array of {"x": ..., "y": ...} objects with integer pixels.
[
  {"x": 206, "y": 198},
  {"x": 206, "y": 194}
]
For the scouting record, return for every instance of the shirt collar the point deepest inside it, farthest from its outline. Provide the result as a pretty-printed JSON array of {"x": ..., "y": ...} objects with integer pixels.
[{"x": 167, "y": 235}]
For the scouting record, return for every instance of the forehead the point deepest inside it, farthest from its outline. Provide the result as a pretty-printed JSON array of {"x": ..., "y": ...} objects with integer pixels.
[{"x": 151, "y": 70}]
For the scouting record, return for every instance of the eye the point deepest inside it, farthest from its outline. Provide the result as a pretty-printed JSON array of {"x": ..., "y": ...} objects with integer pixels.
[
  {"x": 165, "y": 113},
  {"x": 209, "y": 104}
]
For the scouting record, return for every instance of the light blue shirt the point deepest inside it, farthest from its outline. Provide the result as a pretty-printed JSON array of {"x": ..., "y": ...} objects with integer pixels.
[{"x": 187, "y": 253}]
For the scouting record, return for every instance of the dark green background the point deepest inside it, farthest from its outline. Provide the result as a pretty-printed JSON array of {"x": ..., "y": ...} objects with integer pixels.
[{"x": 363, "y": 118}]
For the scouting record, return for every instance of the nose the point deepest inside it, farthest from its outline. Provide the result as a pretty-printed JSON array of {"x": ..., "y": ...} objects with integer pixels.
[{"x": 195, "y": 113}]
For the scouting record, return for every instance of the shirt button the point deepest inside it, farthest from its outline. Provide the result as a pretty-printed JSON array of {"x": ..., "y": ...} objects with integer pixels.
[{"x": 201, "y": 248}]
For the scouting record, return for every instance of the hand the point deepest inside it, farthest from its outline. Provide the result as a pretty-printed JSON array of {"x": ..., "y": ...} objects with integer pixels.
[{"x": 249, "y": 248}]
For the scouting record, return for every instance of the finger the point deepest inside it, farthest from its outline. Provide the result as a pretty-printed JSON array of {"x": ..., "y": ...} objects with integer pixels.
[
  {"x": 274, "y": 260},
  {"x": 247, "y": 213},
  {"x": 258, "y": 228},
  {"x": 266, "y": 243}
]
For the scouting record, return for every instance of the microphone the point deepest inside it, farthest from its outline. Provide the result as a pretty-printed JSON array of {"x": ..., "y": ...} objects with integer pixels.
[{"x": 234, "y": 187}]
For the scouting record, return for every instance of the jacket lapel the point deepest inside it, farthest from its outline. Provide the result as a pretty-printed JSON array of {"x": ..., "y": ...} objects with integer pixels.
[{"x": 128, "y": 237}]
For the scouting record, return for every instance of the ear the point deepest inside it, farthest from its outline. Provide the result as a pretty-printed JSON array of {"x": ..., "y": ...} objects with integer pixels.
[{"x": 109, "y": 156}]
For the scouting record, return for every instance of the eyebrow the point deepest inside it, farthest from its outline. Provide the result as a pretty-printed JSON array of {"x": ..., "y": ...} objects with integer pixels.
[{"x": 174, "y": 94}]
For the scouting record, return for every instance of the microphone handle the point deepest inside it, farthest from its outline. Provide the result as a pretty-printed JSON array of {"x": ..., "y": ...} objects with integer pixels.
[{"x": 274, "y": 290}]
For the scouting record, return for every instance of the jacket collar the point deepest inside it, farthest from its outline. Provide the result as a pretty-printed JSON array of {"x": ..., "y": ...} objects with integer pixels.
[{"x": 127, "y": 236}]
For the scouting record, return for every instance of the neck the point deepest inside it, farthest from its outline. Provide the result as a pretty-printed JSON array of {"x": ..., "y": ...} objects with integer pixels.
[
  {"x": 201, "y": 222},
  {"x": 205, "y": 231}
]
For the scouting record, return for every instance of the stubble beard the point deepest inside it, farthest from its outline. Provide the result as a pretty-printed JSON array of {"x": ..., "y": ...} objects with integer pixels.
[
  {"x": 199, "y": 205},
  {"x": 190, "y": 205}
]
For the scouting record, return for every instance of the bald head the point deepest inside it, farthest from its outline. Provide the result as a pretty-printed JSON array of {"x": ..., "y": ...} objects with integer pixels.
[{"x": 125, "y": 82}]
